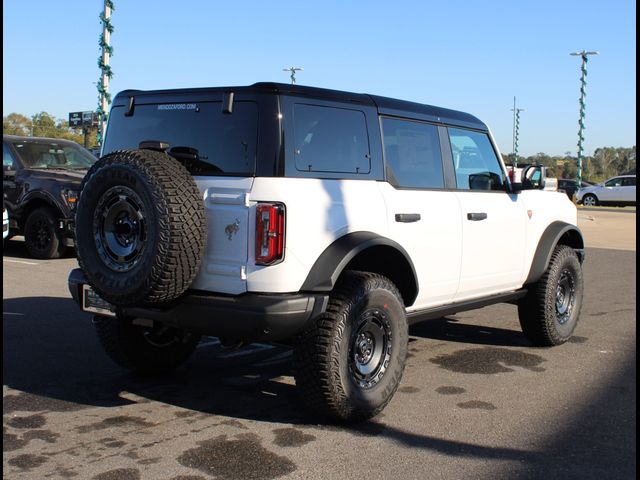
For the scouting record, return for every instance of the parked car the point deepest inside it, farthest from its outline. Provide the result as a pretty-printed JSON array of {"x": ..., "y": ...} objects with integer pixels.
[
  {"x": 617, "y": 191},
  {"x": 329, "y": 219},
  {"x": 569, "y": 186},
  {"x": 41, "y": 180},
  {"x": 5, "y": 223}
]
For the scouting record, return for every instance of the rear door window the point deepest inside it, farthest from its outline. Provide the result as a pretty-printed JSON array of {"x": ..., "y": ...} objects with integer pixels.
[
  {"x": 412, "y": 154},
  {"x": 223, "y": 143},
  {"x": 331, "y": 140}
]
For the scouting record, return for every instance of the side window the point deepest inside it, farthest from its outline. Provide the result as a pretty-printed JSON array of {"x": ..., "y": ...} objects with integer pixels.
[
  {"x": 475, "y": 162},
  {"x": 412, "y": 154},
  {"x": 614, "y": 182},
  {"x": 7, "y": 158},
  {"x": 329, "y": 139},
  {"x": 629, "y": 182}
]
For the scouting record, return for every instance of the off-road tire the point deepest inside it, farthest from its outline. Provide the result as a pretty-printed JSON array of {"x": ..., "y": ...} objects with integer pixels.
[
  {"x": 549, "y": 312},
  {"x": 143, "y": 350},
  {"x": 140, "y": 228},
  {"x": 41, "y": 235},
  {"x": 327, "y": 358}
]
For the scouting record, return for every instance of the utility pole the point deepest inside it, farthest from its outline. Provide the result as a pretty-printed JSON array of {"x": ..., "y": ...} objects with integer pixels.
[
  {"x": 293, "y": 71},
  {"x": 516, "y": 128},
  {"x": 106, "y": 73},
  {"x": 583, "y": 85}
]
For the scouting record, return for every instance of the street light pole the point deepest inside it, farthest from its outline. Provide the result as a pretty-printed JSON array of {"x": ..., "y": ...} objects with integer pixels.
[
  {"x": 104, "y": 98},
  {"x": 516, "y": 128},
  {"x": 293, "y": 71},
  {"x": 583, "y": 85}
]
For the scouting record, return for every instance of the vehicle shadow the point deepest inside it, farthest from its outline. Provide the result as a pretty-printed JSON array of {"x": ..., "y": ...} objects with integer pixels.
[
  {"x": 15, "y": 248},
  {"x": 452, "y": 330},
  {"x": 51, "y": 353},
  {"x": 51, "y": 357}
]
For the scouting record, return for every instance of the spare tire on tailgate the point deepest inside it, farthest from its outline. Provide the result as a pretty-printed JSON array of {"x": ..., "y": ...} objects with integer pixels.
[{"x": 140, "y": 227}]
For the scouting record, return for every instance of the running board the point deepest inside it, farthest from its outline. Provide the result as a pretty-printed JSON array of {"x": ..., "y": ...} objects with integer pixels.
[{"x": 453, "y": 308}]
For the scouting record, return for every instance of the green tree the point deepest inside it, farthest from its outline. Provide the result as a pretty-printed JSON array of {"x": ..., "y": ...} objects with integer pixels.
[
  {"x": 16, "y": 124},
  {"x": 44, "y": 124}
]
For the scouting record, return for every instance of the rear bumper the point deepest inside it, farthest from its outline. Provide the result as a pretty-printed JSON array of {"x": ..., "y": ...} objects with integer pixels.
[{"x": 248, "y": 317}]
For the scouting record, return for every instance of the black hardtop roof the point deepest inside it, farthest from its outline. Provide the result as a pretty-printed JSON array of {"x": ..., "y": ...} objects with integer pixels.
[{"x": 385, "y": 105}]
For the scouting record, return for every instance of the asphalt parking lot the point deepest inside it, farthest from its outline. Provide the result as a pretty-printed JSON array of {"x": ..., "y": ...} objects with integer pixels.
[{"x": 476, "y": 400}]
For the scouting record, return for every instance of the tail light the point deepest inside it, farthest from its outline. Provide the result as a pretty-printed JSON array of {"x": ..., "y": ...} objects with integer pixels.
[{"x": 269, "y": 233}]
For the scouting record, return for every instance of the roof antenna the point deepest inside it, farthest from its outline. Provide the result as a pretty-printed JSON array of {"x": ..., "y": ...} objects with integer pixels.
[{"x": 293, "y": 71}]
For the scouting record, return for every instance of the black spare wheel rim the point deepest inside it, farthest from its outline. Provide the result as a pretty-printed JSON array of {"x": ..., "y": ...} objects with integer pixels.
[
  {"x": 370, "y": 348},
  {"x": 119, "y": 228},
  {"x": 565, "y": 297}
]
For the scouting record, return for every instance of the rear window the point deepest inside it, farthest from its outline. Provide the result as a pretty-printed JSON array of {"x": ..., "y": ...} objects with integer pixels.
[{"x": 223, "y": 143}]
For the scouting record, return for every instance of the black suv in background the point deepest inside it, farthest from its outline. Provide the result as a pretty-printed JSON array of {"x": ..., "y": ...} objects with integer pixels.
[
  {"x": 569, "y": 186},
  {"x": 41, "y": 179}
]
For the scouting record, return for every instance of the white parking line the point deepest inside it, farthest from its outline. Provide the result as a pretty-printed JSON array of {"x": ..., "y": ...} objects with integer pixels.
[
  {"x": 19, "y": 261},
  {"x": 13, "y": 313}
]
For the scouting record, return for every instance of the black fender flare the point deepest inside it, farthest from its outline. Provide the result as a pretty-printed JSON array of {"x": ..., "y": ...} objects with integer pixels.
[
  {"x": 331, "y": 263},
  {"x": 548, "y": 241},
  {"x": 26, "y": 203}
]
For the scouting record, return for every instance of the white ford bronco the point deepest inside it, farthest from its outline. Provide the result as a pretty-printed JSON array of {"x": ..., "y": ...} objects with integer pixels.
[{"x": 329, "y": 219}]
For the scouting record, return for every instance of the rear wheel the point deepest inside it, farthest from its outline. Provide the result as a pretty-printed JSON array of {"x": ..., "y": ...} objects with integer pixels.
[
  {"x": 41, "y": 235},
  {"x": 144, "y": 350},
  {"x": 348, "y": 365},
  {"x": 550, "y": 310},
  {"x": 590, "y": 200}
]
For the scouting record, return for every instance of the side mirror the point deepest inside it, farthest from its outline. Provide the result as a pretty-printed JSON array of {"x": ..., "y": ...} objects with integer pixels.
[
  {"x": 485, "y": 181},
  {"x": 534, "y": 177},
  {"x": 7, "y": 171}
]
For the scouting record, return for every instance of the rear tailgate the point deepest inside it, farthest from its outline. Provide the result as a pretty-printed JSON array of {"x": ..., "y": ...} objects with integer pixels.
[{"x": 224, "y": 266}]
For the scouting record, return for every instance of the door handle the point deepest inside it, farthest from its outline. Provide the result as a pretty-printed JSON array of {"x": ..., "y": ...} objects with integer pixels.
[
  {"x": 407, "y": 217},
  {"x": 476, "y": 216}
]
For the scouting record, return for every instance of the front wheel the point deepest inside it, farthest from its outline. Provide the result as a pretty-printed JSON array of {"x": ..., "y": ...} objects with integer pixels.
[
  {"x": 349, "y": 363},
  {"x": 41, "y": 235},
  {"x": 144, "y": 350},
  {"x": 590, "y": 200},
  {"x": 550, "y": 310}
]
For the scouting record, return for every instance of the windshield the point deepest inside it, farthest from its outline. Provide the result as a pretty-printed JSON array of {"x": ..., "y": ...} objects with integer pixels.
[
  {"x": 203, "y": 137},
  {"x": 53, "y": 155}
]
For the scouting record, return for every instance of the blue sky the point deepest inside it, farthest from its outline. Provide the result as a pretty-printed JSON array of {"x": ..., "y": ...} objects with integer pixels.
[{"x": 467, "y": 55}]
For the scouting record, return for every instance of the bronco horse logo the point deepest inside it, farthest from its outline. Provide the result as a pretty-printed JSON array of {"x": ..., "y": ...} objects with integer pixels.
[{"x": 232, "y": 229}]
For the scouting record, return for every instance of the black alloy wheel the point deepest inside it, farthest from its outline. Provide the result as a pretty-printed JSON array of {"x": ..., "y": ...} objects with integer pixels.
[
  {"x": 41, "y": 235},
  {"x": 370, "y": 349}
]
